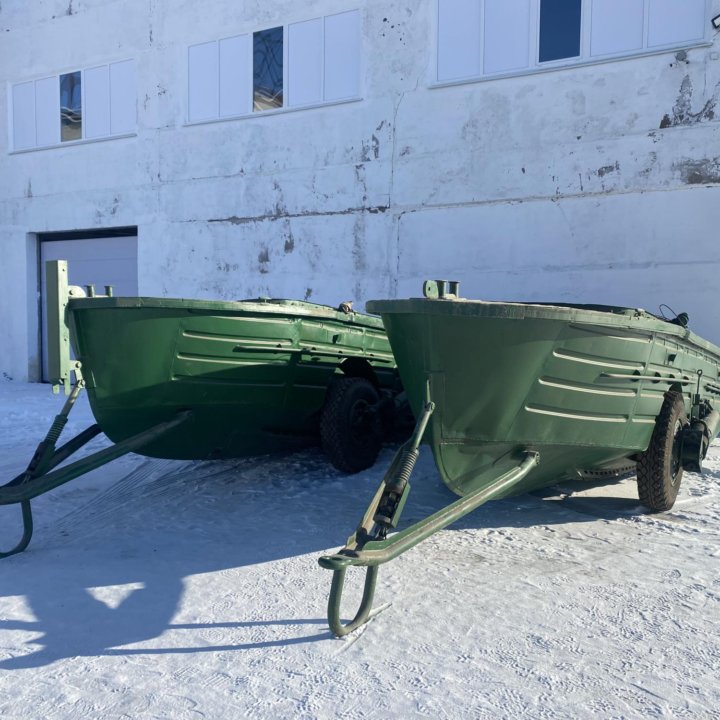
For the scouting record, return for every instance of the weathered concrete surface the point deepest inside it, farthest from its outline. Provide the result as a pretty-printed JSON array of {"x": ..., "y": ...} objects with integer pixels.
[{"x": 597, "y": 183}]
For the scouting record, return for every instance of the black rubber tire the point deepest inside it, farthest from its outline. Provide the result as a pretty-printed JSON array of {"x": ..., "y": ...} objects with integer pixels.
[
  {"x": 350, "y": 435},
  {"x": 659, "y": 469}
]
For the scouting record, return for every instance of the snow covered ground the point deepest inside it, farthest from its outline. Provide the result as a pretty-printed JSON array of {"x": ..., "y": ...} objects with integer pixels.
[{"x": 156, "y": 589}]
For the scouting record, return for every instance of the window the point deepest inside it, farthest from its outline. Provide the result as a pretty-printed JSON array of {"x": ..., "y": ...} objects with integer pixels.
[
  {"x": 81, "y": 105},
  {"x": 505, "y": 36},
  {"x": 559, "y": 29},
  {"x": 303, "y": 64},
  {"x": 324, "y": 59},
  {"x": 484, "y": 38},
  {"x": 305, "y": 69},
  {"x": 268, "y": 69},
  {"x": 70, "y": 107}
]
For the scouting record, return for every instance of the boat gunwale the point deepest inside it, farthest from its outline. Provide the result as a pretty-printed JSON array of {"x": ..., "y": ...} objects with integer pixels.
[
  {"x": 631, "y": 319},
  {"x": 273, "y": 306}
]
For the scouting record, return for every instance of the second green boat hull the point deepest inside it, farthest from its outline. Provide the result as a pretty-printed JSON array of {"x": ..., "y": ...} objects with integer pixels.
[
  {"x": 580, "y": 385},
  {"x": 253, "y": 374}
]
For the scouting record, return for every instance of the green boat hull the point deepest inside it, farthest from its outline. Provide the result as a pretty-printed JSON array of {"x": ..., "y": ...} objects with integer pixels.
[
  {"x": 253, "y": 374},
  {"x": 511, "y": 397},
  {"x": 196, "y": 380},
  {"x": 581, "y": 385}
]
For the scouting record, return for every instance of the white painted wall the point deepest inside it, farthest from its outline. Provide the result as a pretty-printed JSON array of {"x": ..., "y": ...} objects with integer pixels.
[{"x": 560, "y": 185}]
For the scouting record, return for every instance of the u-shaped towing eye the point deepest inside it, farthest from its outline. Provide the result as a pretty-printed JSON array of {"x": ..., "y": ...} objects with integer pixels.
[{"x": 370, "y": 545}]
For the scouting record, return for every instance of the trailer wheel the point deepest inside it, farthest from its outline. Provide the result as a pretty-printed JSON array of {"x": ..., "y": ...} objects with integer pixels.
[
  {"x": 350, "y": 424},
  {"x": 659, "y": 468}
]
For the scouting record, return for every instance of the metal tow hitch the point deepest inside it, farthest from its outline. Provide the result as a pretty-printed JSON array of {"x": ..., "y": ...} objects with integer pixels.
[{"x": 370, "y": 545}]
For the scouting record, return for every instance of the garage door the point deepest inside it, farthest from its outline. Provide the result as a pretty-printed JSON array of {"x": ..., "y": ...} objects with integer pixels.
[{"x": 95, "y": 261}]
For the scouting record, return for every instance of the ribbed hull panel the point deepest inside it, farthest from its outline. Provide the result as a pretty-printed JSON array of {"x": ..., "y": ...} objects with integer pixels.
[
  {"x": 583, "y": 388},
  {"x": 255, "y": 381}
]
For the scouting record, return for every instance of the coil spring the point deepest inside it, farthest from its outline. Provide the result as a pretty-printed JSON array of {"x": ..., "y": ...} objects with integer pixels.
[
  {"x": 393, "y": 491},
  {"x": 406, "y": 465},
  {"x": 56, "y": 429}
]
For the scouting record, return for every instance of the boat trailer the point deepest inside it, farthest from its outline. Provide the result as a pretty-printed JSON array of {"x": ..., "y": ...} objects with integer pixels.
[
  {"x": 351, "y": 418},
  {"x": 42, "y": 473},
  {"x": 370, "y": 545}
]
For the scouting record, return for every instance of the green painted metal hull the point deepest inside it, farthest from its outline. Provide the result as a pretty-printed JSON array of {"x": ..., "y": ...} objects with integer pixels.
[
  {"x": 253, "y": 373},
  {"x": 582, "y": 385}
]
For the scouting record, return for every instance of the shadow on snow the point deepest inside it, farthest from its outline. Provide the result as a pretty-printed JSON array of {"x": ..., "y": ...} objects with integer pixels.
[{"x": 167, "y": 520}]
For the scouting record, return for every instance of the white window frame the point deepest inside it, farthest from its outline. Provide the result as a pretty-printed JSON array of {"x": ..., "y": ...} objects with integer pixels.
[
  {"x": 584, "y": 59},
  {"x": 286, "y": 88},
  {"x": 286, "y": 67},
  {"x": 67, "y": 143}
]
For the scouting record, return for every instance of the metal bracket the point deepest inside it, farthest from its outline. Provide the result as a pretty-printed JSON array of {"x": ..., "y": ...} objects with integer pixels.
[
  {"x": 58, "y": 333},
  {"x": 441, "y": 289}
]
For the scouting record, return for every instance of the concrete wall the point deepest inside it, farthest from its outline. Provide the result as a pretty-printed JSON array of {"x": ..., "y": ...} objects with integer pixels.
[{"x": 598, "y": 183}]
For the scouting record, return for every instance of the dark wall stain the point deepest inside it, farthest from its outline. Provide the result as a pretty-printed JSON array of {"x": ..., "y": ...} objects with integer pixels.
[
  {"x": 681, "y": 56},
  {"x": 652, "y": 160},
  {"x": 359, "y": 255},
  {"x": 699, "y": 172},
  {"x": 682, "y": 110},
  {"x": 361, "y": 180},
  {"x": 606, "y": 169},
  {"x": 359, "y": 250},
  {"x": 264, "y": 260},
  {"x": 280, "y": 208},
  {"x": 308, "y": 293},
  {"x": 370, "y": 150},
  {"x": 289, "y": 243}
]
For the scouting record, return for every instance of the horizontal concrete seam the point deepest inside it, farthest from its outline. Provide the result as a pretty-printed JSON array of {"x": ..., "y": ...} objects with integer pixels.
[
  {"x": 236, "y": 220},
  {"x": 400, "y": 209},
  {"x": 615, "y": 267}
]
